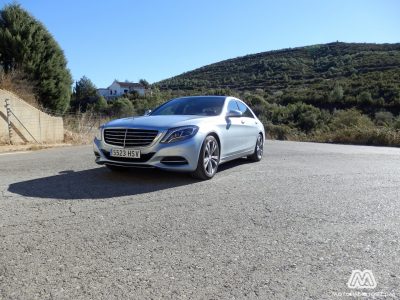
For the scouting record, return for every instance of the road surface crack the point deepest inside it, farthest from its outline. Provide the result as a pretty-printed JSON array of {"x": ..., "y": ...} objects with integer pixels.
[{"x": 71, "y": 211}]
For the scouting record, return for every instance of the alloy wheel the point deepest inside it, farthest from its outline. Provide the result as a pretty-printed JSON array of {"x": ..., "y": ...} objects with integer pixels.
[
  {"x": 211, "y": 156},
  {"x": 260, "y": 146}
]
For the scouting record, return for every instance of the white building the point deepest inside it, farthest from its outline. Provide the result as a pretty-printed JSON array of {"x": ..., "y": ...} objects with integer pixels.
[{"x": 118, "y": 88}]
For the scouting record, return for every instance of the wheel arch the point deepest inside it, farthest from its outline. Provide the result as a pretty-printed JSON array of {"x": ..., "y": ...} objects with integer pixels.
[{"x": 216, "y": 136}]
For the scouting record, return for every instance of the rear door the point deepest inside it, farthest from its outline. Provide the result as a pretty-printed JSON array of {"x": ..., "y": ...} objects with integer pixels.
[{"x": 249, "y": 127}]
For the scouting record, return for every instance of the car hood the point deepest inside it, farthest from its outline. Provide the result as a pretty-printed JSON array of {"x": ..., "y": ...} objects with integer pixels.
[{"x": 157, "y": 122}]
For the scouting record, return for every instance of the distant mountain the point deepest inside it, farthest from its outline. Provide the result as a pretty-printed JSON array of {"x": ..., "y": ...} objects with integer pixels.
[
  {"x": 308, "y": 74},
  {"x": 276, "y": 70},
  {"x": 336, "y": 92}
]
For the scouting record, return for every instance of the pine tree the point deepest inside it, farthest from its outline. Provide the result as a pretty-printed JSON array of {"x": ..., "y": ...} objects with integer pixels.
[
  {"x": 145, "y": 83},
  {"x": 84, "y": 93},
  {"x": 84, "y": 88},
  {"x": 26, "y": 45}
]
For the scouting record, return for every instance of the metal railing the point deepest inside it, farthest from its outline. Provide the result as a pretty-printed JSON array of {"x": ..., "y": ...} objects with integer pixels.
[{"x": 10, "y": 130}]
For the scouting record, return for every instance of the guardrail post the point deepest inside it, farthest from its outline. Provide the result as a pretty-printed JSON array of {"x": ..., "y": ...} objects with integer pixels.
[{"x": 8, "y": 109}]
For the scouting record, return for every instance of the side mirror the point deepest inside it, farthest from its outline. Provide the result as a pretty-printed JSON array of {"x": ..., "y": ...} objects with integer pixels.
[
  {"x": 234, "y": 114},
  {"x": 147, "y": 112}
]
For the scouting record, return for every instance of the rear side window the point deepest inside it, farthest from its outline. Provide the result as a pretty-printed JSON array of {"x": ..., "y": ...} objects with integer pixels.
[{"x": 245, "y": 110}]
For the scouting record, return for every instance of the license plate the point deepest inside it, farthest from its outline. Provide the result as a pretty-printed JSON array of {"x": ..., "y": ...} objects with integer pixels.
[{"x": 128, "y": 153}]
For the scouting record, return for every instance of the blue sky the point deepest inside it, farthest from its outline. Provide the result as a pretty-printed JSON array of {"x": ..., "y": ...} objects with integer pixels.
[{"x": 129, "y": 40}]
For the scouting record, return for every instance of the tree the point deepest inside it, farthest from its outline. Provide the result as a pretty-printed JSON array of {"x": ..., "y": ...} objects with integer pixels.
[
  {"x": 145, "y": 83},
  {"x": 101, "y": 104},
  {"x": 26, "y": 45},
  {"x": 285, "y": 77},
  {"x": 365, "y": 98},
  {"x": 85, "y": 93},
  {"x": 122, "y": 108},
  {"x": 337, "y": 93},
  {"x": 84, "y": 88}
]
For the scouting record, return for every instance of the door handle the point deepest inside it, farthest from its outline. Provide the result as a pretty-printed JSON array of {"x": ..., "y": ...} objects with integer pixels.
[{"x": 242, "y": 121}]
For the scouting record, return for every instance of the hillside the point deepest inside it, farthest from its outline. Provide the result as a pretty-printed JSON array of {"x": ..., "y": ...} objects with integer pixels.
[
  {"x": 307, "y": 74},
  {"x": 336, "y": 92}
]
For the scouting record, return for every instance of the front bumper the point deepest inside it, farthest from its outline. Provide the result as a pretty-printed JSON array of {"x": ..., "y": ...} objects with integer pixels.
[{"x": 157, "y": 155}]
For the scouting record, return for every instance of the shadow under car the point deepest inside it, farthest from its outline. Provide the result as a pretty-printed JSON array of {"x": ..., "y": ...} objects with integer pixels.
[{"x": 101, "y": 183}]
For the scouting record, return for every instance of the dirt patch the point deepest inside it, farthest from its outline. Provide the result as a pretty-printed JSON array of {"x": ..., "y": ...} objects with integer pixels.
[
  {"x": 29, "y": 147},
  {"x": 78, "y": 138}
]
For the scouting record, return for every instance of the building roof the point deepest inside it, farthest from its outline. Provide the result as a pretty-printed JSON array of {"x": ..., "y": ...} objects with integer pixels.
[{"x": 130, "y": 84}]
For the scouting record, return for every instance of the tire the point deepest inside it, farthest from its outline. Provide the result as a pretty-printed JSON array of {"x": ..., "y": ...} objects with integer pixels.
[
  {"x": 116, "y": 168},
  {"x": 207, "y": 164},
  {"x": 258, "y": 149}
]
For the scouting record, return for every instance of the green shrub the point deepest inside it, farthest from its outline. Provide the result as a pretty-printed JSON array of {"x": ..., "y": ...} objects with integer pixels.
[
  {"x": 396, "y": 123},
  {"x": 304, "y": 116},
  {"x": 336, "y": 94},
  {"x": 277, "y": 132},
  {"x": 350, "y": 118},
  {"x": 383, "y": 118},
  {"x": 101, "y": 104},
  {"x": 365, "y": 98},
  {"x": 121, "y": 108},
  {"x": 254, "y": 100},
  {"x": 363, "y": 136}
]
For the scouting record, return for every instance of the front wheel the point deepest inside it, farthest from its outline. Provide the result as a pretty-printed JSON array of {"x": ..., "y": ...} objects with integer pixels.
[
  {"x": 258, "y": 150},
  {"x": 208, "y": 159}
]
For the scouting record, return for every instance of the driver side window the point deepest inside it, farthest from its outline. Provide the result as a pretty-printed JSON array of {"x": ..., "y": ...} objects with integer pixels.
[
  {"x": 245, "y": 110},
  {"x": 232, "y": 105}
]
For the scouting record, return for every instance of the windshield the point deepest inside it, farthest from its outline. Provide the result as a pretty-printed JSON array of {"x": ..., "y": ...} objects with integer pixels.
[{"x": 201, "y": 106}]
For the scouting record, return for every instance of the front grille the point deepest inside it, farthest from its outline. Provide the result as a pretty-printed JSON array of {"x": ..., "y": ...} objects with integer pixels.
[
  {"x": 129, "y": 137},
  {"x": 143, "y": 157}
]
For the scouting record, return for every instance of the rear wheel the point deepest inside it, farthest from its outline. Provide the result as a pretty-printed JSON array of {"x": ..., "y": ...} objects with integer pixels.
[
  {"x": 208, "y": 159},
  {"x": 116, "y": 168},
  {"x": 258, "y": 150}
]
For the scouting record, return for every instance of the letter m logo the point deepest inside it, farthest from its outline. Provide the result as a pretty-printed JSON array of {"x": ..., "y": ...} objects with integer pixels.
[{"x": 361, "y": 280}]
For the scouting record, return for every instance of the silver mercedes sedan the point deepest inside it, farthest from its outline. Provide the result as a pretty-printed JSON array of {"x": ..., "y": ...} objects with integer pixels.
[{"x": 190, "y": 134}]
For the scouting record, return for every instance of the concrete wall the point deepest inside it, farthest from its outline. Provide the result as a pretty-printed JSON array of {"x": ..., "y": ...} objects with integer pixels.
[{"x": 38, "y": 125}]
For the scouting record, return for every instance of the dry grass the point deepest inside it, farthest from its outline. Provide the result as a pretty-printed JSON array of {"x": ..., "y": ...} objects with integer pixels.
[
  {"x": 374, "y": 136},
  {"x": 4, "y": 140},
  {"x": 81, "y": 128},
  {"x": 75, "y": 138},
  {"x": 16, "y": 82}
]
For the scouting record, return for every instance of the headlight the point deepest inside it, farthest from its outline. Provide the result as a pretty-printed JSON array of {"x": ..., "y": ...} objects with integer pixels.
[
  {"x": 99, "y": 133},
  {"x": 179, "y": 134}
]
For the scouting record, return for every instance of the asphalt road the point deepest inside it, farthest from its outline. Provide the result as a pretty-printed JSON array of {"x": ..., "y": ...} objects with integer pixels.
[{"x": 293, "y": 226}]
